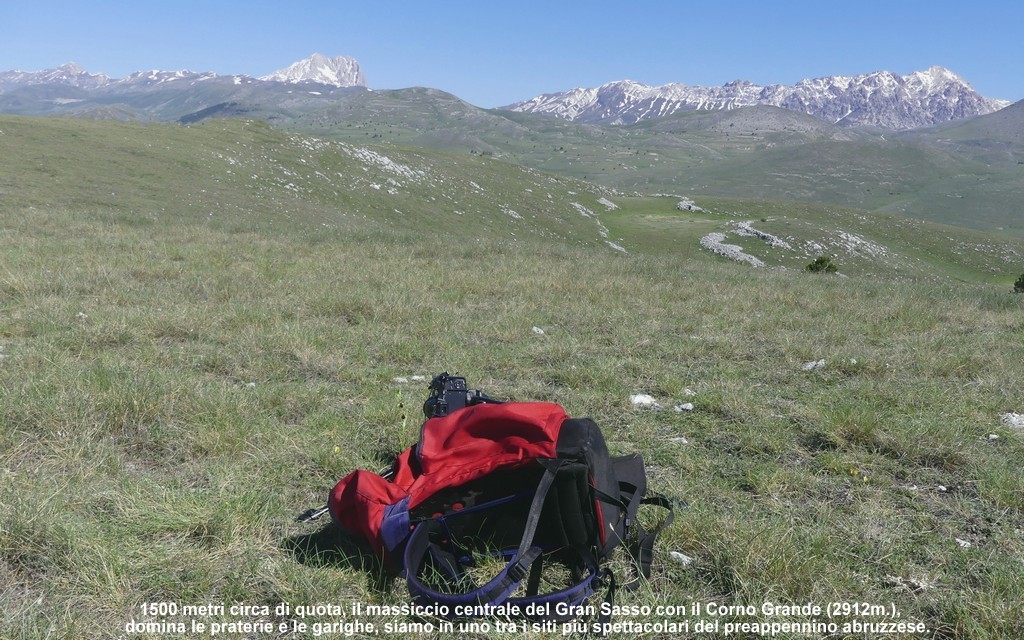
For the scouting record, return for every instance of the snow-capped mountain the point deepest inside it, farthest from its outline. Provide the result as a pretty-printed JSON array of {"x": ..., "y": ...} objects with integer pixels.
[
  {"x": 339, "y": 71},
  {"x": 879, "y": 99},
  {"x": 181, "y": 96},
  {"x": 69, "y": 74},
  {"x": 155, "y": 77}
]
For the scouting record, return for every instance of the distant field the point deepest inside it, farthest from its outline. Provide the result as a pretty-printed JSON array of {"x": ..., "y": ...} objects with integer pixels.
[{"x": 201, "y": 329}]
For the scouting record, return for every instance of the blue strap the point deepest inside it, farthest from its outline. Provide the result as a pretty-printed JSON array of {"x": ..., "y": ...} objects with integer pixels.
[{"x": 507, "y": 581}]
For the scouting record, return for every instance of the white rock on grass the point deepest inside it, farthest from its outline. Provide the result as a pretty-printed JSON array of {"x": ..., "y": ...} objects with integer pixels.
[
  {"x": 683, "y": 559},
  {"x": 686, "y": 406},
  {"x": 645, "y": 401},
  {"x": 813, "y": 365},
  {"x": 408, "y": 379},
  {"x": 538, "y": 331},
  {"x": 687, "y": 205},
  {"x": 1013, "y": 419},
  {"x": 745, "y": 229},
  {"x": 913, "y": 585},
  {"x": 715, "y": 242}
]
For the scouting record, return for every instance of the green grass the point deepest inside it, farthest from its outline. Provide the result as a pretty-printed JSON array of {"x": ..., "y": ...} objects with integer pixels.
[{"x": 174, "y": 390}]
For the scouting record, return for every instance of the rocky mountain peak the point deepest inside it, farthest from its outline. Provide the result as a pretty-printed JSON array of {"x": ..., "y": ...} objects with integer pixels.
[{"x": 339, "y": 71}]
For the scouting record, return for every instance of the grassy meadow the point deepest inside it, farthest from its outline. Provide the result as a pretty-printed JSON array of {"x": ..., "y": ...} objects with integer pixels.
[{"x": 189, "y": 362}]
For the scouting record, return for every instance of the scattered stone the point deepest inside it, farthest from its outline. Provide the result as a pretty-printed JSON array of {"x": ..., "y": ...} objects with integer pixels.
[
  {"x": 689, "y": 393},
  {"x": 400, "y": 380},
  {"x": 714, "y": 242},
  {"x": 856, "y": 245},
  {"x": 963, "y": 543},
  {"x": 991, "y": 437},
  {"x": 644, "y": 400},
  {"x": 813, "y": 365},
  {"x": 679, "y": 440},
  {"x": 687, "y": 205},
  {"x": 417, "y": 378},
  {"x": 82, "y": 316},
  {"x": 607, "y": 204},
  {"x": 538, "y": 331},
  {"x": 1013, "y": 419},
  {"x": 683, "y": 559},
  {"x": 745, "y": 229},
  {"x": 914, "y": 585},
  {"x": 941, "y": 488},
  {"x": 686, "y": 406},
  {"x": 251, "y": 385}
]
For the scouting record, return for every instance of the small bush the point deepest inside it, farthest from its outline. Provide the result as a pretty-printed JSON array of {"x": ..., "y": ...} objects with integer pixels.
[
  {"x": 1018, "y": 287},
  {"x": 822, "y": 264}
]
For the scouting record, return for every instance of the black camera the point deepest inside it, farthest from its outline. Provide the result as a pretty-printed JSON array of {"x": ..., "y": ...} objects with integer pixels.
[{"x": 450, "y": 393}]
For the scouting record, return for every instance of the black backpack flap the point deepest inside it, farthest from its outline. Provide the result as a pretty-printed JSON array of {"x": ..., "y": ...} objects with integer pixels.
[
  {"x": 569, "y": 519},
  {"x": 581, "y": 439}
]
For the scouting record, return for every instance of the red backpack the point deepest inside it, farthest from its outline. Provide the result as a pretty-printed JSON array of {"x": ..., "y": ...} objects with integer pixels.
[{"x": 521, "y": 481}]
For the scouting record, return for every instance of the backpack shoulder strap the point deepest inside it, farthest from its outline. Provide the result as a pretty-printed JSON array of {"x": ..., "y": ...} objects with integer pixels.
[
  {"x": 642, "y": 549},
  {"x": 501, "y": 586},
  {"x": 632, "y": 478}
]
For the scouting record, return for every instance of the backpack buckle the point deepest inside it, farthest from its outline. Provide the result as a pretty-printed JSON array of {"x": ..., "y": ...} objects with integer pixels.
[{"x": 516, "y": 572}]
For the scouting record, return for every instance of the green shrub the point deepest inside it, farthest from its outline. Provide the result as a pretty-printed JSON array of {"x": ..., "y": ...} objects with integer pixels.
[{"x": 822, "y": 264}]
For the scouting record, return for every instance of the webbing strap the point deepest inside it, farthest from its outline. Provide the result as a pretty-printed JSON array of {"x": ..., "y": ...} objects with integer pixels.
[
  {"x": 643, "y": 549},
  {"x": 537, "y": 506},
  {"x": 501, "y": 586}
]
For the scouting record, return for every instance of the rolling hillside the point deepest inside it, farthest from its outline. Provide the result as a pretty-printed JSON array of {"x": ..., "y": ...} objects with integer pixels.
[
  {"x": 754, "y": 152},
  {"x": 203, "y": 328},
  {"x": 244, "y": 176}
]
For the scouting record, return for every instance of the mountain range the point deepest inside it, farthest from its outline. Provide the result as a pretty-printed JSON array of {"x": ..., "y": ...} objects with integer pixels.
[
  {"x": 965, "y": 171},
  {"x": 881, "y": 99},
  {"x": 339, "y": 71},
  {"x": 184, "y": 96}
]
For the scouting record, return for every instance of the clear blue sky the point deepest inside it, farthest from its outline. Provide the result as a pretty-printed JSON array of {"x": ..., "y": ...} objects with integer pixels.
[{"x": 495, "y": 53}]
